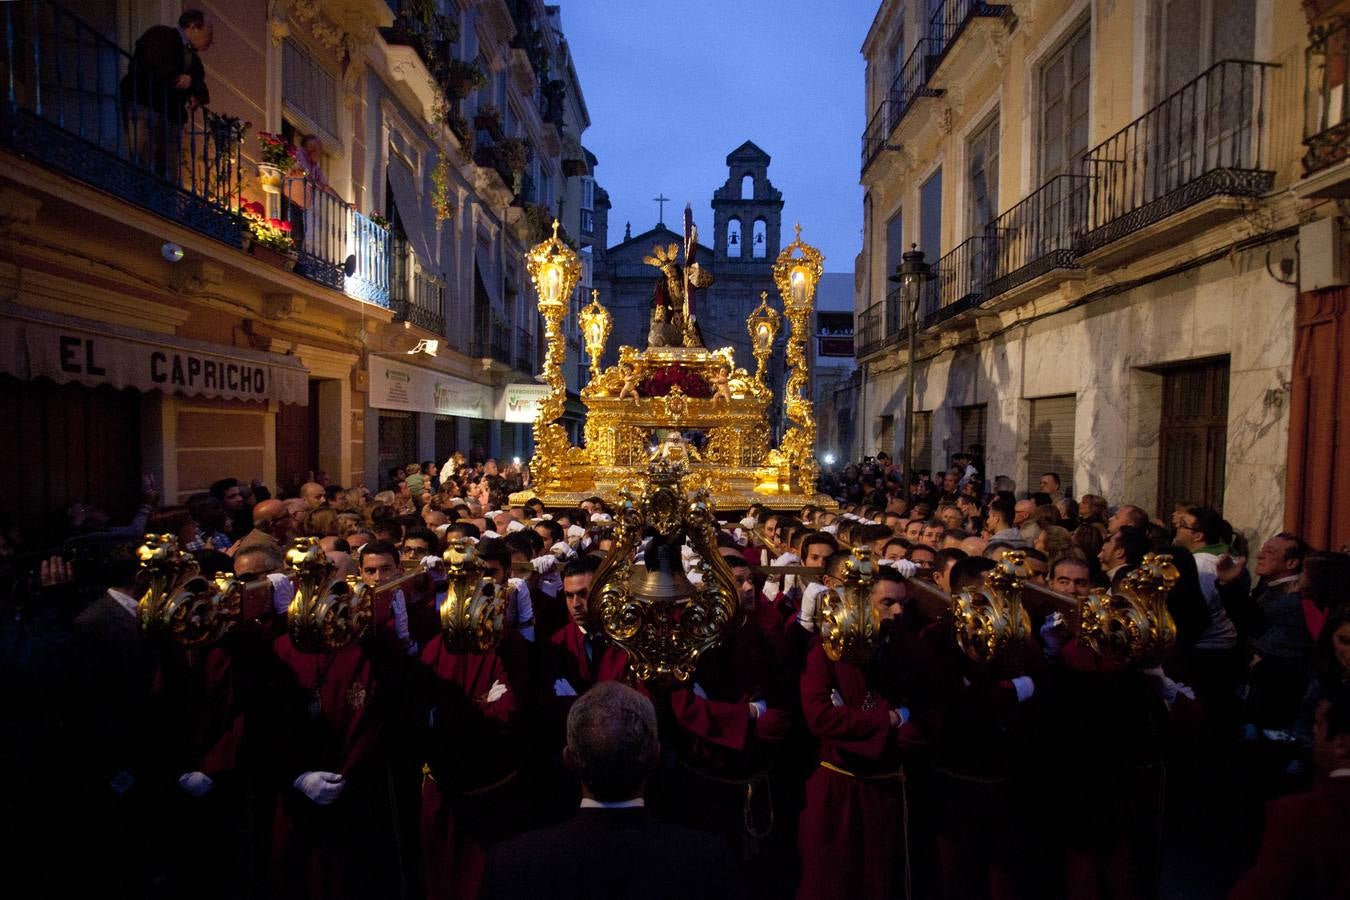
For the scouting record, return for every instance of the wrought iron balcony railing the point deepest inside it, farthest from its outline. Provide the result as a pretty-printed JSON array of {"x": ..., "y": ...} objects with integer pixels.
[
  {"x": 1038, "y": 234},
  {"x": 1326, "y": 129},
  {"x": 1202, "y": 141},
  {"x": 525, "y": 351},
  {"x": 339, "y": 247},
  {"x": 952, "y": 16},
  {"x": 76, "y": 102},
  {"x": 911, "y": 82},
  {"x": 492, "y": 340},
  {"x": 958, "y": 281},
  {"x": 416, "y": 294},
  {"x": 874, "y": 136},
  {"x": 869, "y": 329}
]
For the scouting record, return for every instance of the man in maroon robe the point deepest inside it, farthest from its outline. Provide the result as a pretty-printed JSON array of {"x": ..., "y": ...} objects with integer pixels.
[
  {"x": 469, "y": 795},
  {"x": 334, "y": 827},
  {"x": 850, "y": 838}
]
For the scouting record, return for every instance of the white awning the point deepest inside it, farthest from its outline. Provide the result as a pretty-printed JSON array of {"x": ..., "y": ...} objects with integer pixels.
[
  {"x": 39, "y": 344},
  {"x": 421, "y": 234},
  {"x": 396, "y": 385}
]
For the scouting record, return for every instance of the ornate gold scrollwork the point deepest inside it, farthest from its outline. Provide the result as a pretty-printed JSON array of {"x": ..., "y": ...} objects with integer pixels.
[
  {"x": 650, "y": 608},
  {"x": 328, "y": 612},
  {"x": 1132, "y": 625},
  {"x": 990, "y": 621},
  {"x": 180, "y": 602},
  {"x": 474, "y": 607},
  {"x": 850, "y": 625}
]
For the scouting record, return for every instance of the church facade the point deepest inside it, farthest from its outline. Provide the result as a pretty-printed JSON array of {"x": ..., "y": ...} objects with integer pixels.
[{"x": 739, "y": 248}]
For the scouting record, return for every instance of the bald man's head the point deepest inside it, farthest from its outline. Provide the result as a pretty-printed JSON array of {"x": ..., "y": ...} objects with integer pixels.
[
  {"x": 313, "y": 494},
  {"x": 273, "y": 517}
]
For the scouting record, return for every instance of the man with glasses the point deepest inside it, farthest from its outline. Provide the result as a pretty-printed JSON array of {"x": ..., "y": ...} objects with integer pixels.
[{"x": 271, "y": 528}]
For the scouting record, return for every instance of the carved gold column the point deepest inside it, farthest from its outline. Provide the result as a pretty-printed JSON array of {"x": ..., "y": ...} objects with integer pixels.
[
  {"x": 554, "y": 268},
  {"x": 796, "y": 272}
]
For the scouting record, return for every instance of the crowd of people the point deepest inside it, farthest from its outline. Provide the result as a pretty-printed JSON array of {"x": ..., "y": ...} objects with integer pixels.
[{"x": 400, "y": 765}]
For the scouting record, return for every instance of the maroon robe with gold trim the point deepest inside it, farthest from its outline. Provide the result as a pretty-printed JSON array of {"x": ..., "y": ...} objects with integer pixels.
[
  {"x": 343, "y": 849},
  {"x": 851, "y": 837},
  {"x": 471, "y": 753}
]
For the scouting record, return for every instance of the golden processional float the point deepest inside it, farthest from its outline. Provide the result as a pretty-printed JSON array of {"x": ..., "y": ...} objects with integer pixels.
[{"x": 677, "y": 385}]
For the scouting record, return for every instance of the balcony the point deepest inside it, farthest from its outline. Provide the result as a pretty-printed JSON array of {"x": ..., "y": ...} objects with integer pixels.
[
  {"x": 66, "y": 107},
  {"x": 1201, "y": 143},
  {"x": 587, "y": 223},
  {"x": 951, "y": 19},
  {"x": 880, "y": 324},
  {"x": 958, "y": 282},
  {"x": 339, "y": 247},
  {"x": 431, "y": 35},
  {"x": 1326, "y": 129},
  {"x": 416, "y": 294},
  {"x": 492, "y": 341},
  {"x": 910, "y": 83},
  {"x": 1037, "y": 235}
]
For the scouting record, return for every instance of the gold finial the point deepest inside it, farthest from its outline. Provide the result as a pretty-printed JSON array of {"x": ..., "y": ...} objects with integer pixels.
[
  {"x": 763, "y": 296},
  {"x": 595, "y": 296},
  {"x": 798, "y": 228},
  {"x": 555, "y": 229}
]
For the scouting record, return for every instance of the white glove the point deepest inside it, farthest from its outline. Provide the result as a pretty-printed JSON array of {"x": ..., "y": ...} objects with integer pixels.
[
  {"x": 283, "y": 592},
  {"x": 810, "y": 606},
  {"x": 699, "y": 692},
  {"x": 399, "y": 607},
  {"x": 545, "y": 563},
  {"x": 515, "y": 525},
  {"x": 831, "y": 529},
  {"x": 496, "y": 692},
  {"x": 1024, "y": 687},
  {"x": 601, "y": 518},
  {"x": 575, "y": 532},
  {"x": 694, "y": 578},
  {"x": 435, "y": 566},
  {"x": 739, "y": 537},
  {"x": 748, "y": 522},
  {"x": 321, "y": 787},
  {"x": 836, "y": 698},
  {"x": 491, "y": 534},
  {"x": 1167, "y": 689},
  {"x": 563, "y": 550},
  {"x": 788, "y": 559},
  {"x": 903, "y": 566},
  {"x": 520, "y": 611},
  {"x": 1052, "y": 634},
  {"x": 563, "y": 688},
  {"x": 758, "y": 708},
  {"x": 195, "y": 784}
]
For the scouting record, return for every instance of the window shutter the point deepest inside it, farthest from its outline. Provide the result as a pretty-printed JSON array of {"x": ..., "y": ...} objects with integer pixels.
[
  {"x": 972, "y": 421},
  {"x": 309, "y": 92},
  {"x": 886, "y": 443},
  {"x": 922, "y": 445},
  {"x": 1050, "y": 445}
]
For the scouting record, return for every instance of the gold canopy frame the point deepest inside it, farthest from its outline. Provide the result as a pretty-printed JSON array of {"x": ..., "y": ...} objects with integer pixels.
[{"x": 678, "y": 389}]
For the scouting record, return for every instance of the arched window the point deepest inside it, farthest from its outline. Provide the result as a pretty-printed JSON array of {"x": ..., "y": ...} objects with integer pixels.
[
  {"x": 761, "y": 239},
  {"x": 734, "y": 237},
  {"x": 748, "y": 187}
]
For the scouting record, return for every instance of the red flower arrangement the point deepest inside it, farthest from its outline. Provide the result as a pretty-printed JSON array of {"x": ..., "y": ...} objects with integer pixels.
[
  {"x": 275, "y": 150},
  {"x": 660, "y": 382},
  {"x": 272, "y": 233}
]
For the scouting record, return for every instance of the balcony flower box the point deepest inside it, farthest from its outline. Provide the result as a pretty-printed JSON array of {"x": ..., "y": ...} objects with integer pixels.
[{"x": 273, "y": 257}]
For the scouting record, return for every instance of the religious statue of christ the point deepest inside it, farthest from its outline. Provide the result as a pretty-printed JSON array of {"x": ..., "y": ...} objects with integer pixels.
[{"x": 674, "y": 322}]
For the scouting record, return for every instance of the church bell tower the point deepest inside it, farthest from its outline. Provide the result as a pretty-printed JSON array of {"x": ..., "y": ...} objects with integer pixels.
[{"x": 747, "y": 211}]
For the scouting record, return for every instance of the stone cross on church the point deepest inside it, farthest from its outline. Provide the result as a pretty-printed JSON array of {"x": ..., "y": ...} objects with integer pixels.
[{"x": 661, "y": 200}]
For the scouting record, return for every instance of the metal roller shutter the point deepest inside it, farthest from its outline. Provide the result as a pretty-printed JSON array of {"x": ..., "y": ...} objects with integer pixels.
[
  {"x": 886, "y": 442},
  {"x": 972, "y": 426},
  {"x": 923, "y": 440},
  {"x": 1050, "y": 444}
]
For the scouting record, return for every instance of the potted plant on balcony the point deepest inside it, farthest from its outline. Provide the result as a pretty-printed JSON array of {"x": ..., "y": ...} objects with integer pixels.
[
  {"x": 463, "y": 78},
  {"x": 514, "y": 154},
  {"x": 276, "y": 158},
  {"x": 272, "y": 241},
  {"x": 489, "y": 119}
]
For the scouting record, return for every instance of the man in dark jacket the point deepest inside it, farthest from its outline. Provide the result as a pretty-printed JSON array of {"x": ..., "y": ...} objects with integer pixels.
[
  {"x": 163, "y": 84},
  {"x": 611, "y": 848}
]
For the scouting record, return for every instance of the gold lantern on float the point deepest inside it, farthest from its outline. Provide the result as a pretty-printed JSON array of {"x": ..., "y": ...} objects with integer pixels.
[
  {"x": 850, "y": 626},
  {"x": 554, "y": 269},
  {"x": 649, "y": 607},
  {"x": 763, "y": 327},
  {"x": 180, "y": 602},
  {"x": 1132, "y": 624},
  {"x": 991, "y": 622},
  {"x": 595, "y": 324},
  {"x": 474, "y": 607},
  {"x": 328, "y": 611},
  {"x": 796, "y": 272}
]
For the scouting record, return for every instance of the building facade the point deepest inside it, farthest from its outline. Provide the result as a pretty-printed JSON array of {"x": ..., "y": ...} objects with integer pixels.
[
  {"x": 1110, "y": 198},
  {"x": 399, "y": 327}
]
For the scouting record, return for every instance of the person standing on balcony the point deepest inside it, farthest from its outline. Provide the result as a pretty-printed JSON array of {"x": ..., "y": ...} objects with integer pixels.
[
  {"x": 306, "y": 178},
  {"x": 163, "y": 85}
]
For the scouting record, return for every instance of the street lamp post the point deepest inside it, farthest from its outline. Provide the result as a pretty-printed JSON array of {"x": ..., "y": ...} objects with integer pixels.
[{"x": 911, "y": 275}]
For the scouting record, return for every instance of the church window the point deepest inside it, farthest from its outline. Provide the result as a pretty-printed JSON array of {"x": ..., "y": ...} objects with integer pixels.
[
  {"x": 761, "y": 244},
  {"x": 748, "y": 187},
  {"x": 734, "y": 237}
]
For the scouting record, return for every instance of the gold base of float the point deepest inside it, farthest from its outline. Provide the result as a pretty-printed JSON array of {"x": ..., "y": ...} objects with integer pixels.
[{"x": 678, "y": 385}]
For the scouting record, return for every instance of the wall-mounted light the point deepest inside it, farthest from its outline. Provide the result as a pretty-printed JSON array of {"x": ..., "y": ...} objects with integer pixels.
[
  {"x": 171, "y": 252},
  {"x": 429, "y": 346}
]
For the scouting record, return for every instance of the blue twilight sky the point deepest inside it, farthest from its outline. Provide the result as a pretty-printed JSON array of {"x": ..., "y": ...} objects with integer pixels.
[{"x": 673, "y": 87}]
